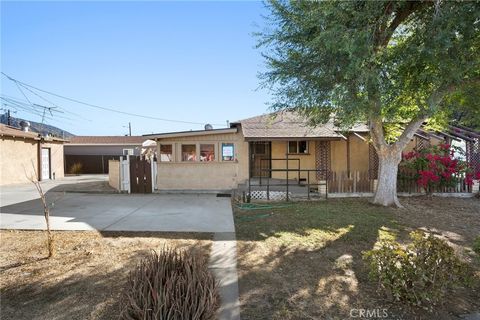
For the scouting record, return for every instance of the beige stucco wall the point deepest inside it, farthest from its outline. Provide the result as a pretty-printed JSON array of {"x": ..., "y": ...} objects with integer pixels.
[
  {"x": 307, "y": 160},
  {"x": 18, "y": 154},
  {"x": 338, "y": 155},
  {"x": 359, "y": 157},
  {"x": 358, "y": 154},
  {"x": 412, "y": 144},
  {"x": 56, "y": 159},
  {"x": 214, "y": 175},
  {"x": 114, "y": 174},
  {"x": 16, "y": 158}
]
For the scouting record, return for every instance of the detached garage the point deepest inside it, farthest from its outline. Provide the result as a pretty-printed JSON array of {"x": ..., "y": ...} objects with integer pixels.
[
  {"x": 25, "y": 154},
  {"x": 90, "y": 154}
]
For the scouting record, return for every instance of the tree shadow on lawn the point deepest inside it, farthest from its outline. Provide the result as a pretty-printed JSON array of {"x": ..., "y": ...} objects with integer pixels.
[{"x": 305, "y": 261}]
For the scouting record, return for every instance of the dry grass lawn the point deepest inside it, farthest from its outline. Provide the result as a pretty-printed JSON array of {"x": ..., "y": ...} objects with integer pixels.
[
  {"x": 86, "y": 277},
  {"x": 303, "y": 260}
]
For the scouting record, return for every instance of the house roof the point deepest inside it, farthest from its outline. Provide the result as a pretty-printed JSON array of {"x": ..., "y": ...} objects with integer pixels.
[
  {"x": 190, "y": 133},
  {"x": 107, "y": 140},
  {"x": 291, "y": 125},
  {"x": 13, "y": 132}
]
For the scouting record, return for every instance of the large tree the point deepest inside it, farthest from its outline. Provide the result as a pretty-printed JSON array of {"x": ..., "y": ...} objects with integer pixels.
[{"x": 380, "y": 62}]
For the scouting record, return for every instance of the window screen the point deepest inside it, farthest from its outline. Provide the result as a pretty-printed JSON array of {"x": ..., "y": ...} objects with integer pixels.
[
  {"x": 189, "y": 152},
  {"x": 207, "y": 152},
  {"x": 166, "y": 153}
]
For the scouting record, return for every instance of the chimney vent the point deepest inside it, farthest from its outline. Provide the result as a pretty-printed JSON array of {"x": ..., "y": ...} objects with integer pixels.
[
  {"x": 208, "y": 126},
  {"x": 25, "y": 125}
]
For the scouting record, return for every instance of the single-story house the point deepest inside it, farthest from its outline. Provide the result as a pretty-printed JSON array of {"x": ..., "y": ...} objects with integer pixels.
[
  {"x": 222, "y": 159},
  {"x": 90, "y": 154},
  {"x": 25, "y": 155}
]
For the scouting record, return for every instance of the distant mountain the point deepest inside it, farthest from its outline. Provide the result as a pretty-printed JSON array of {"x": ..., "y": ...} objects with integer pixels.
[{"x": 44, "y": 129}]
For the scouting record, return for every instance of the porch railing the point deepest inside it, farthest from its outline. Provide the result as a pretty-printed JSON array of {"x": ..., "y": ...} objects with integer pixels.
[{"x": 268, "y": 184}]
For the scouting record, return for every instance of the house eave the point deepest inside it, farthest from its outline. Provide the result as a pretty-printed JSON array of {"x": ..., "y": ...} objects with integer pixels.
[
  {"x": 292, "y": 138},
  {"x": 190, "y": 133}
]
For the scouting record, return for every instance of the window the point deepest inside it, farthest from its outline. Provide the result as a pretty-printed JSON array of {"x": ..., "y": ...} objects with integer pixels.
[
  {"x": 260, "y": 148},
  {"x": 228, "y": 152},
  {"x": 166, "y": 153},
  {"x": 298, "y": 147},
  {"x": 189, "y": 152},
  {"x": 128, "y": 152},
  {"x": 292, "y": 146},
  {"x": 207, "y": 152}
]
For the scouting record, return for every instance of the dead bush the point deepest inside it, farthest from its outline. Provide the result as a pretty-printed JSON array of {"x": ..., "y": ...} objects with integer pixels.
[
  {"x": 76, "y": 168},
  {"x": 172, "y": 284}
]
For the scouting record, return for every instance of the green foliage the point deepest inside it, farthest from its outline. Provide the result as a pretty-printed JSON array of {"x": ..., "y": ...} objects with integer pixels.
[
  {"x": 76, "y": 168},
  {"x": 172, "y": 284},
  {"x": 476, "y": 245},
  {"x": 463, "y": 107},
  {"x": 361, "y": 59},
  {"x": 419, "y": 274}
]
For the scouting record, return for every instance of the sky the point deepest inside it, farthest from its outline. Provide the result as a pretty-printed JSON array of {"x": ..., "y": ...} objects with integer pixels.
[{"x": 187, "y": 61}]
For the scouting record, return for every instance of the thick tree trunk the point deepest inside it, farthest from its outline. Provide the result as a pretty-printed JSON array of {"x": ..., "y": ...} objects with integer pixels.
[{"x": 386, "y": 193}]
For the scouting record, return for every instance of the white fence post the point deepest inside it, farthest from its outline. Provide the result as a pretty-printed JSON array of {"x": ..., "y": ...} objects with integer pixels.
[
  {"x": 125, "y": 174},
  {"x": 154, "y": 174}
]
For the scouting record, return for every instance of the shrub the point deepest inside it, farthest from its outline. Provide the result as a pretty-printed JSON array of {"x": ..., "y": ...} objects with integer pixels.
[
  {"x": 476, "y": 245},
  {"x": 418, "y": 274},
  {"x": 437, "y": 167},
  {"x": 76, "y": 168},
  {"x": 172, "y": 284}
]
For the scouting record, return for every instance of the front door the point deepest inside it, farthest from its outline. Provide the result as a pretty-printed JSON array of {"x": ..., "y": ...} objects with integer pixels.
[
  {"x": 45, "y": 164},
  {"x": 260, "y": 159}
]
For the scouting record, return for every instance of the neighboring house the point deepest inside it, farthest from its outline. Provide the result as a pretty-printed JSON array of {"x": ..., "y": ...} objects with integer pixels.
[
  {"x": 25, "y": 155},
  {"x": 222, "y": 159},
  {"x": 93, "y": 152}
]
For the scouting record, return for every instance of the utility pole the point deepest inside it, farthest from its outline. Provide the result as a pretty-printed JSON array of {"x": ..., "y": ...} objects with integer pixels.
[
  {"x": 129, "y": 129},
  {"x": 9, "y": 119}
]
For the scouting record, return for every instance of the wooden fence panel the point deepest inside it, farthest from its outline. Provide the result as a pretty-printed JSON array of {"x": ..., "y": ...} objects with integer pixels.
[{"x": 361, "y": 182}]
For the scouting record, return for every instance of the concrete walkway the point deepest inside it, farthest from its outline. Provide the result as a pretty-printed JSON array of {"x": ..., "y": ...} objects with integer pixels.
[{"x": 223, "y": 264}]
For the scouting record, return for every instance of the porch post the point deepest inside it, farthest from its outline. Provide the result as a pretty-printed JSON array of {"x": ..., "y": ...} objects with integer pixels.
[
  {"x": 348, "y": 156},
  {"x": 287, "y": 173}
]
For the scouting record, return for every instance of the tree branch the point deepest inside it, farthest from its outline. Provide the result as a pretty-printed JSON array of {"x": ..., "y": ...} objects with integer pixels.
[
  {"x": 409, "y": 132},
  {"x": 432, "y": 102},
  {"x": 384, "y": 35}
]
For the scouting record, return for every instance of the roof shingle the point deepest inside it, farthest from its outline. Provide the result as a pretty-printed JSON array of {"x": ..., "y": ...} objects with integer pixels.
[
  {"x": 106, "y": 140},
  {"x": 288, "y": 124}
]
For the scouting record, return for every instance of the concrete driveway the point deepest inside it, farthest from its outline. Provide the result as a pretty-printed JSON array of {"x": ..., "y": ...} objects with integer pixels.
[{"x": 122, "y": 212}]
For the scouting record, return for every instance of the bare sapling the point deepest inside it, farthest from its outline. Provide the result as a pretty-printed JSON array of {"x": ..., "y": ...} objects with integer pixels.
[{"x": 46, "y": 212}]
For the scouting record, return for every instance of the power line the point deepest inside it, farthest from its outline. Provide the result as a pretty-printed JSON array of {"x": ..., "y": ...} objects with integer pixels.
[
  {"x": 103, "y": 108},
  {"x": 35, "y": 109},
  {"x": 56, "y": 105}
]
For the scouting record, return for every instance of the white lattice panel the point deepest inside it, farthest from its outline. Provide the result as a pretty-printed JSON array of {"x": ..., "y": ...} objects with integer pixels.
[{"x": 274, "y": 195}]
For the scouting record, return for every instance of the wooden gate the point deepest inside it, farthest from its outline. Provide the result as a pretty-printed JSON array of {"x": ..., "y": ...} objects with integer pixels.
[{"x": 140, "y": 176}]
